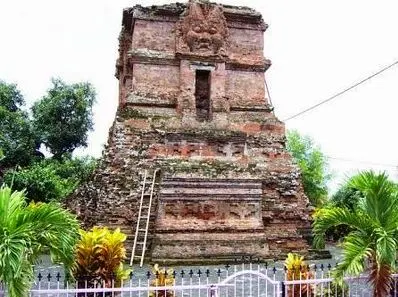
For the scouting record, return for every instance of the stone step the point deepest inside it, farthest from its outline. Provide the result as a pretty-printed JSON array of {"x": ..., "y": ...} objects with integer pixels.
[
  {"x": 214, "y": 197},
  {"x": 221, "y": 189},
  {"x": 206, "y": 183}
]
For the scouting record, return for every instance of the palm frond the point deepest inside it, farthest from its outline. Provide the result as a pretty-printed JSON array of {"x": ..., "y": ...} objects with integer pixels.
[
  {"x": 55, "y": 228},
  {"x": 26, "y": 230},
  {"x": 356, "y": 250},
  {"x": 19, "y": 285},
  {"x": 374, "y": 238},
  {"x": 378, "y": 192},
  {"x": 327, "y": 218},
  {"x": 386, "y": 247},
  {"x": 10, "y": 205}
]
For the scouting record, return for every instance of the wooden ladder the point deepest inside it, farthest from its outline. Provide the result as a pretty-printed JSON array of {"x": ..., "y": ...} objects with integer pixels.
[{"x": 144, "y": 213}]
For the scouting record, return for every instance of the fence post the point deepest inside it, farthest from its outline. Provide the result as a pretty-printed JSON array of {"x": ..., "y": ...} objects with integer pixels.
[
  {"x": 283, "y": 288},
  {"x": 213, "y": 291}
]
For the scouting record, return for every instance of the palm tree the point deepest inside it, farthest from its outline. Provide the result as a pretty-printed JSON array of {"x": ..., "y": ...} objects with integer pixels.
[
  {"x": 371, "y": 245},
  {"x": 26, "y": 231}
]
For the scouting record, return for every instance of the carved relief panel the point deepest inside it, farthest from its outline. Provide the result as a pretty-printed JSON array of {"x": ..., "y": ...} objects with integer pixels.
[
  {"x": 229, "y": 150},
  {"x": 202, "y": 31},
  {"x": 210, "y": 203},
  {"x": 208, "y": 213}
]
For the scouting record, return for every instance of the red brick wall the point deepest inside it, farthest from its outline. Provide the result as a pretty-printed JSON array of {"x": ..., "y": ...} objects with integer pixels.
[
  {"x": 154, "y": 35},
  {"x": 244, "y": 88},
  {"x": 246, "y": 44},
  {"x": 160, "y": 82}
]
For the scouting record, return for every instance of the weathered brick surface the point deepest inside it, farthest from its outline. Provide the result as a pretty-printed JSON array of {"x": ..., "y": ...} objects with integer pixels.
[
  {"x": 246, "y": 44},
  {"x": 227, "y": 184},
  {"x": 153, "y": 36},
  {"x": 154, "y": 84},
  {"x": 245, "y": 88}
]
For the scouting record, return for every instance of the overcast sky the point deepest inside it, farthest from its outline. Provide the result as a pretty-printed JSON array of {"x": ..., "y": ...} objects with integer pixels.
[{"x": 317, "y": 48}]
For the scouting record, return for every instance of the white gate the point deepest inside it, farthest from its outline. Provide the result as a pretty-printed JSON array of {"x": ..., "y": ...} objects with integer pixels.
[{"x": 249, "y": 283}]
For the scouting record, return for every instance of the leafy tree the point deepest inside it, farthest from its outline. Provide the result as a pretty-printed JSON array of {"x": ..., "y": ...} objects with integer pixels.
[
  {"x": 76, "y": 169},
  {"x": 10, "y": 97},
  {"x": 41, "y": 183},
  {"x": 26, "y": 231},
  {"x": 313, "y": 165},
  {"x": 18, "y": 142},
  {"x": 346, "y": 196},
  {"x": 50, "y": 179},
  {"x": 372, "y": 242},
  {"x": 64, "y": 116},
  {"x": 17, "y": 139}
]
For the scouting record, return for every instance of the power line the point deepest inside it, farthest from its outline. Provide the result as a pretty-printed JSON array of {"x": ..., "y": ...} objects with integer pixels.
[
  {"x": 269, "y": 95},
  {"x": 363, "y": 162},
  {"x": 342, "y": 92}
]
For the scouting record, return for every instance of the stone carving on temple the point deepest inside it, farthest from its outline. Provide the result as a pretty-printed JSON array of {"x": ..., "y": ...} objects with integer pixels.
[{"x": 202, "y": 30}]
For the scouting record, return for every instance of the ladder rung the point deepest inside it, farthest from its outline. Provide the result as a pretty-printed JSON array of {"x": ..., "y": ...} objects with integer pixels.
[
  {"x": 144, "y": 217},
  {"x": 150, "y": 183},
  {"x": 142, "y": 230}
]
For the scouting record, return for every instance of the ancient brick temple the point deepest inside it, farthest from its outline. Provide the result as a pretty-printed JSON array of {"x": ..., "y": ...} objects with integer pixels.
[{"x": 193, "y": 104}]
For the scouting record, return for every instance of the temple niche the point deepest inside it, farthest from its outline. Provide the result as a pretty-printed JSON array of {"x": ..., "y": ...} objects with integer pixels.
[{"x": 193, "y": 108}]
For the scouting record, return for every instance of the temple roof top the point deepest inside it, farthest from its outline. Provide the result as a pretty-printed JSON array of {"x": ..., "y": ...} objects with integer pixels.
[{"x": 173, "y": 11}]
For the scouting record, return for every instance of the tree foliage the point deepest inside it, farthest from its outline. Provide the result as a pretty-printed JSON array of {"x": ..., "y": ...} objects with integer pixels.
[
  {"x": 28, "y": 230},
  {"x": 313, "y": 165},
  {"x": 18, "y": 141},
  {"x": 10, "y": 97},
  {"x": 346, "y": 196},
  {"x": 50, "y": 179},
  {"x": 64, "y": 116},
  {"x": 372, "y": 242},
  {"x": 61, "y": 121}
]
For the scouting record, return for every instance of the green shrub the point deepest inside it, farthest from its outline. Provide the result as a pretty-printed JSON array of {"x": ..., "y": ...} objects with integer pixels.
[
  {"x": 40, "y": 182},
  {"x": 49, "y": 179},
  {"x": 77, "y": 169}
]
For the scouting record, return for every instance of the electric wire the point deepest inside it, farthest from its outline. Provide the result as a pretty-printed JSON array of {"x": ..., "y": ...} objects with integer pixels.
[
  {"x": 341, "y": 92},
  {"x": 269, "y": 95},
  {"x": 363, "y": 162}
]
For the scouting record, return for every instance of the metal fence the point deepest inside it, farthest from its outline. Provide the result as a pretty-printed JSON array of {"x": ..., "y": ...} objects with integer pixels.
[
  {"x": 325, "y": 285},
  {"x": 238, "y": 280}
]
